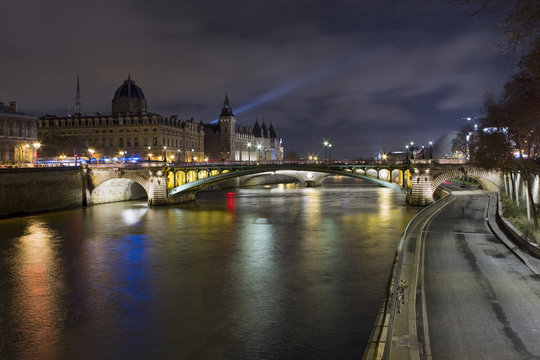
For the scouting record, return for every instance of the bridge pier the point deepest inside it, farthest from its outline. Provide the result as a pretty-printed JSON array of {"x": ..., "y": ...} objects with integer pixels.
[
  {"x": 157, "y": 190},
  {"x": 421, "y": 193}
]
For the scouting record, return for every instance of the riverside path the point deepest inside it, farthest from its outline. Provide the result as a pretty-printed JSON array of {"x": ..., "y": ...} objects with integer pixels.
[{"x": 479, "y": 301}]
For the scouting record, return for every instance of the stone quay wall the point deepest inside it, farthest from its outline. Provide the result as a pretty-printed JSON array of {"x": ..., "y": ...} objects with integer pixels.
[{"x": 29, "y": 190}]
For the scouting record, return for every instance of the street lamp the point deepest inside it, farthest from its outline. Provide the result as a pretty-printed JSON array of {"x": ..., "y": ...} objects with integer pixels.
[
  {"x": 36, "y": 147},
  {"x": 325, "y": 144},
  {"x": 330, "y": 151},
  {"x": 165, "y": 151},
  {"x": 249, "y": 151},
  {"x": 149, "y": 154},
  {"x": 431, "y": 149},
  {"x": 91, "y": 152},
  {"x": 259, "y": 147},
  {"x": 192, "y": 150},
  {"x": 406, "y": 152}
]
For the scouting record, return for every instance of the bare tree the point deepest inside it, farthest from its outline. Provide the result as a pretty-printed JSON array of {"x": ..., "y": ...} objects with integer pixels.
[{"x": 510, "y": 133}]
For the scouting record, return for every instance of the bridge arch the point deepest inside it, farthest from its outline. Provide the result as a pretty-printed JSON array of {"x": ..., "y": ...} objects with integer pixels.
[
  {"x": 104, "y": 185},
  {"x": 312, "y": 175},
  {"x": 117, "y": 189},
  {"x": 489, "y": 179}
]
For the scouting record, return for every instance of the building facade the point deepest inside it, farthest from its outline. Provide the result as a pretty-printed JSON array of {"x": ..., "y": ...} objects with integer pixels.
[
  {"x": 227, "y": 141},
  {"x": 18, "y": 136},
  {"x": 129, "y": 132}
]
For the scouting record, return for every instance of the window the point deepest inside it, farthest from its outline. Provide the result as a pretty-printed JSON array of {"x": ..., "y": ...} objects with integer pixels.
[
  {"x": 145, "y": 141},
  {"x": 121, "y": 142},
  {"x": 136, "y": 142},
  {"x": 155, "y": 141},
  {"x": 128, "y": 140}
]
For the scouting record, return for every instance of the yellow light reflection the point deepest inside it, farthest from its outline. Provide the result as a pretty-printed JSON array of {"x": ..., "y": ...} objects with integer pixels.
[{"x": 34, "y": 301}]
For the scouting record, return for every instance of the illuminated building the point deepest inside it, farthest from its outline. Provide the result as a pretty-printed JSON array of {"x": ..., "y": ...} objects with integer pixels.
[
  {"x": 17, "y": 136},
  {"x": 131, "y": 131},
  {"x": 225, "y": 140}
]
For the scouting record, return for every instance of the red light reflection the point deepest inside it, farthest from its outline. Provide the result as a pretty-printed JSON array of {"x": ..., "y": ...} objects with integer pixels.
[{"x": 230, "y": 201}]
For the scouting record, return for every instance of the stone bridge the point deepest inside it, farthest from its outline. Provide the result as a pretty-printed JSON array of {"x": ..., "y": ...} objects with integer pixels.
[{"x": 176, "y": 184}]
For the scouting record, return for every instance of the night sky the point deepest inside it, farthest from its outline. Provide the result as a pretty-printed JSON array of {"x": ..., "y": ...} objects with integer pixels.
[{"x": 367, "y": 75}]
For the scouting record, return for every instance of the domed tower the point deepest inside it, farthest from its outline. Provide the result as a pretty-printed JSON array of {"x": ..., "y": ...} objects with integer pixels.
[{"x": 128, "y": 99}]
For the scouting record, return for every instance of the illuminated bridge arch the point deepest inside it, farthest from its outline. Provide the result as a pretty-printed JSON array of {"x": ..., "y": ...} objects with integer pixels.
[
  {"x": 96, "y": 179},
  {"x": 309, "y": 173},
  {"x": 489, "y": 179}
]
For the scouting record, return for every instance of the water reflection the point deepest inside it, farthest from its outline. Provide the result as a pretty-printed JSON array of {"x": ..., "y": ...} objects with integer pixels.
[
  {"x": 35, "y": 277},
  {"x": 273, "y": 272},
  {"x": 133, "y": 216}
]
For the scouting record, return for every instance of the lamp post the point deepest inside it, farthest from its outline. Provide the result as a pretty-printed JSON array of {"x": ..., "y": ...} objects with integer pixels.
[
  {"x": 259, "y": 147},
  {"x": 36, "y": 147},
  {"x": 91, "y": 152},
  {"x": 330, "y": 151},
  {"x": 325, "y": 144},
  {"x": 406, "y": 152},
  {"x": 149, "y": 154},
  {"x": 249, "y": 151},
  {"x": 178, "y": 156},
  {"x": 165, "y": 153},
  {"x": 192, "y": 155}
]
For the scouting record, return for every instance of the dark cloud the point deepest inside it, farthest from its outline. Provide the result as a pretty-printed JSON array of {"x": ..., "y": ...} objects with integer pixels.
[{"x": 369, "y": 75}]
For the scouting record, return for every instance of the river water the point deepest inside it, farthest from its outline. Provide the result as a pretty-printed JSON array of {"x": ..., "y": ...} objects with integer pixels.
[{"x": 275, "y": 272}]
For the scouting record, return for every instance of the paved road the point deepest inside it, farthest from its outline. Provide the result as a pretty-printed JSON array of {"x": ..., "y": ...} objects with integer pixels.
[{"x": 481, "y": 301}]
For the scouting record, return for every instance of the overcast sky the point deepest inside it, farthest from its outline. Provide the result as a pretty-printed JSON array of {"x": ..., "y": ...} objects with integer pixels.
[{"x": 367, "y": 75}]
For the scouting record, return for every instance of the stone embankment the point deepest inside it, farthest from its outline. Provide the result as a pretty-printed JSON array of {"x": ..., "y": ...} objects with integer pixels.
[{"x": 29, "y": 190}]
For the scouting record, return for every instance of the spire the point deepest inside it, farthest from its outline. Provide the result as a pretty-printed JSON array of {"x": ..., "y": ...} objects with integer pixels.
[
  {"x": 257, "y": 130},
  {"x": 264, "y": 130},
  {"x": 227, "y": 109},
  {"x": 78, "y": 97},
  {"x": 272, "y": 132}
]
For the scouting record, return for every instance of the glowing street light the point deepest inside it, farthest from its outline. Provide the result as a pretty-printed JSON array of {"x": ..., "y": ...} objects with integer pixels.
[
  {"x": 330, "y": 151},
  {"x": 36, "y": 147},
  {"x": 165, "y": 152},
  {"x": 91, "y": 152},
  {"x": 259, "y": 147},
  {"x": 249, "y": 151}
]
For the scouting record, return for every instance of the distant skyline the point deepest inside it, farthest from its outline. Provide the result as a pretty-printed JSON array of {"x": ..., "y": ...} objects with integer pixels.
[{"x": 367, "y": 76}]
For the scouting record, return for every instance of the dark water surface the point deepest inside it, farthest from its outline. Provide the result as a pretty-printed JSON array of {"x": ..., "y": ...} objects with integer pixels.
[{"x": 268, "y": 273}]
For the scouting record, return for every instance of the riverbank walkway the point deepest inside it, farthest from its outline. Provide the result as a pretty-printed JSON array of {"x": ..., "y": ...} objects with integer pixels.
[{"x": 472, "y": 294}]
